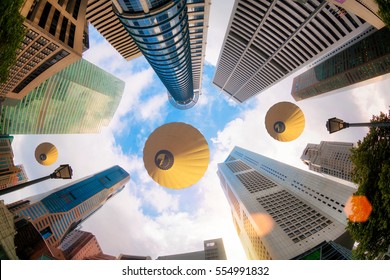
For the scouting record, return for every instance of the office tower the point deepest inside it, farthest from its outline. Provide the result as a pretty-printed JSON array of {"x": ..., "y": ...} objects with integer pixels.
[
  {"x": 56, "y": 213},
  {"x": 57, "y": 35},
  {"x": 266, "y": 41},
  {"x": 78, "y": 245},
  {"x": 10, "y": 174},
  {"x": 82, "y": 98},
  {"x": 326, "y": 251},
  {"x": 170, "y": 34},
  {"x": 365, "y": 9},
  {"x": 330, "y": 158},
  {"x": 213, "y": 250},
  {"x": 281, "y": 211},
  {"x": 360, "y": 62}
]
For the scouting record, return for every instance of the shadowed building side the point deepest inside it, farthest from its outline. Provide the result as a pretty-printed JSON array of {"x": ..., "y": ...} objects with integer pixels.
[{"x": 352, "y": 67}]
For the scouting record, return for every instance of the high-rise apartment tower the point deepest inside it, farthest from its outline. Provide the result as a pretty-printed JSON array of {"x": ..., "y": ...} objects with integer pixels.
[
  {"x": 56, "y": 213},
  {"x": 267, "y": 41},
  {"x": 281, "y": 211}
]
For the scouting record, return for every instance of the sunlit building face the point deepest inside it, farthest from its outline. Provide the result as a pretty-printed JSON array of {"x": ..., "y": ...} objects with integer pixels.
[{"x": 280, "y": 211}]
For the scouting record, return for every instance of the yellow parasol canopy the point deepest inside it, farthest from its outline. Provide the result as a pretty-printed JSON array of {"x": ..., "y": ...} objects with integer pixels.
[
  {"x": 285, "y": 121},
  {"x": 176, "y": 155},
  {"x": 46, "y": 153}
]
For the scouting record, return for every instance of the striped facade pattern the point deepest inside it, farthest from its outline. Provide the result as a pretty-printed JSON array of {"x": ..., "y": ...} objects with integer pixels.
[
  {"x": 268, "y": 40},
  {"x": 82, "y": 98},
  {"x": 102, "y": 17}
]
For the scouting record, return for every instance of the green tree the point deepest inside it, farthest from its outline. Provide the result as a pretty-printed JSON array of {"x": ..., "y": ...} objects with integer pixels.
[
  {"x": 11, "y": 34},
  {"x": 371, "y": 159},
  {"x": 384, "y": 11}
]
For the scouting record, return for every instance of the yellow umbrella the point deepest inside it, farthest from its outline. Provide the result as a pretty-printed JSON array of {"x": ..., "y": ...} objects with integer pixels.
[
  {"x": 284, "y": 121},
  {"x": 176, "y": 155},
  {"x": 46, "y": 153}
]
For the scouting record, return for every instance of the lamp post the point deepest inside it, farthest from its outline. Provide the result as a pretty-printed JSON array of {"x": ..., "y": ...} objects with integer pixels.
[
  {"x": 335, "y": 124},
  {"x": 62, "y": 172}
]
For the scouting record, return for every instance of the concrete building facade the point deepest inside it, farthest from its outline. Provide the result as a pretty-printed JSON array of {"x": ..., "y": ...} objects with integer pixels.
[
  {"x": 213, "y": 250},
  {"x": 57, "y": 35},
  {"x": 266, "y": 41},
  {"x": 79, "y": 245},
  {"x": 330, "y": 158},
  {"x": 281, "y": 211}
]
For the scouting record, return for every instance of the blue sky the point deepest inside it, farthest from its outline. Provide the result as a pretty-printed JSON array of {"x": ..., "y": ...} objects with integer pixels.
[{"x": 147, "y": 219}]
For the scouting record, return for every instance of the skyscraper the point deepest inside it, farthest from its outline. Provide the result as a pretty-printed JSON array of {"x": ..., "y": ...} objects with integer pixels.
[
  {"x": 55, "y": 213},
  {"x": 360, "y": 62},
  {"x": 10, "y": 174},
  {"x": 57, "y": 35},
  {"x": 170, "y": 34},
  {"x": 331, "y": 158},
  {"x": 78, "y": 245},
  {"x": 267, "y": 41},
  {"x": 102, "y": 17},
  {"x": 213, "y": 250},
  {"x": 80, "y": 99},
  {"x": 281, "y": 211}
]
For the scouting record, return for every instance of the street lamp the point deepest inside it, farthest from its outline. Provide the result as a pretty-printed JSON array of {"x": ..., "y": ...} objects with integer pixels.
[
  {"x": 335, "y": 124},
  {"x": 62, "y": 172}
]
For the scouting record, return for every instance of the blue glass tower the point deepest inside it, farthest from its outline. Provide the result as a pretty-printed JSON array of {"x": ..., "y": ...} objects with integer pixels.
[
  {"x": 161, "y": 31},
  {"x": 56, "y": 213}
]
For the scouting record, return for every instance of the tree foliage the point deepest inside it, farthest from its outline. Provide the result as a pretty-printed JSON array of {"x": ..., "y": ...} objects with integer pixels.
[
  {"x": 11, "y": 34},
  {"x": 371, "y": 160},
  {"x": 384, "y": 11}
]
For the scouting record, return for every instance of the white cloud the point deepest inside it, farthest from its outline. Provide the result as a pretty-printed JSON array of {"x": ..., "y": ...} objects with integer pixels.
[
  {"x": 154, "y": 108},
  {"x": 160, "y": 200},
  {"x": 220, "y": 12}
]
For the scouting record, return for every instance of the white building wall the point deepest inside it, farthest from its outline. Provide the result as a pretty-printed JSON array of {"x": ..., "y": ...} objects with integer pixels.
[{"x": 296, "y": 188}]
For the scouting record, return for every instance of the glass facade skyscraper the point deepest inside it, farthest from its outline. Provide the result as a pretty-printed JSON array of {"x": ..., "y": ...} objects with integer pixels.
[
  {"x": 364, "y": 60},
  {"x": 80, "y": 99},
  {"x": 160, "y": 29},
  {"x": 55, "y": 213},
  {"x": 281, "y": 211}
]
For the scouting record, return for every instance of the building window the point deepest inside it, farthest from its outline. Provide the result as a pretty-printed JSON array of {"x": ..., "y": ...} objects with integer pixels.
[
  {"x": 54, "y": 22},
  {"x": 45, "y": 15},
  {"x": 46, "y": 233}
]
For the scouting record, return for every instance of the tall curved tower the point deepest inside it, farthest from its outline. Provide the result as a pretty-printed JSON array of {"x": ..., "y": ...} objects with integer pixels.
[{"x": 160, "y": 29}]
